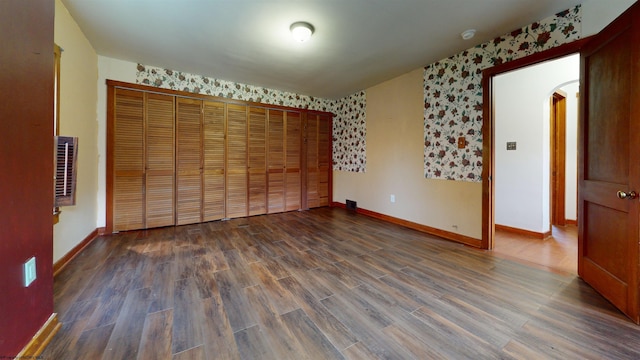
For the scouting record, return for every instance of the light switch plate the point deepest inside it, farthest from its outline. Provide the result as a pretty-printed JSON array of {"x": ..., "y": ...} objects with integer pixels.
[{"x": 29, "y": 271}]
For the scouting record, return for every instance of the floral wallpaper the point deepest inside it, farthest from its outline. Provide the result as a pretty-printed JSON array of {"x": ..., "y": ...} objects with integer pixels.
[
  {"x": 349, "y": 133},
  {"x": 349, "y": 150},
  {"x": 453, "y": 94}
]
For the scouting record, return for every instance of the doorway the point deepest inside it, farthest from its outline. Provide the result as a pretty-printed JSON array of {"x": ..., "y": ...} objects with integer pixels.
[{"x": 531, "y": 161}]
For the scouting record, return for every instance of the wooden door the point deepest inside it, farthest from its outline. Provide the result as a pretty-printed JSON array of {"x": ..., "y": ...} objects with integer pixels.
[
  {"x": 188, "y": 161},
  {"x": 324, "y": 159},
  {"x": 128, "y": 160},
  {"x": 159, "y": 174},
  {"x": 313, "y": 196},
  {"x": 214, "y": 152},
  {"x": 319, "y": 160},
  {"x": 276, "y": 160},
  {"x": 236, "y": 182},
  {"x": 293, "y": 150},
  {"x": 558, "y": 132},
  {"x": 257, "y": 161},
  {"x": 609, "y": 169}
]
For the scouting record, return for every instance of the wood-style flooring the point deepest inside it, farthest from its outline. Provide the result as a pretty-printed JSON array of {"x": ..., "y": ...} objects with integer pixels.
[
  {"x": 322, "y": 284},
  {"x": 558, "y": 253}
]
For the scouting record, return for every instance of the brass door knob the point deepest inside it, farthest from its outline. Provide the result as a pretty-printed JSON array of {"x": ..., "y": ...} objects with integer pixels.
[{"x": 627, "y": 195}]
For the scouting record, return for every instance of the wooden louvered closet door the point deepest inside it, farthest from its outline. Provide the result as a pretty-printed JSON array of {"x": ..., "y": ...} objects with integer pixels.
[
  {"x": 214, "y": 152},
  {"x": 128, "y": 160},
  {"x": 236, "y": 181},
  {"x": 318, "y": 160},
  {"x": 293, "y": 174},
  {"x": 275, "y": 159},
  {"x": 257, "y": 161},
  {"x": 313, "y": 197},
  {"x": 159, "y": 177},
  {"x": 188, "y": 161},
  {"x": 324, "y": 159}
]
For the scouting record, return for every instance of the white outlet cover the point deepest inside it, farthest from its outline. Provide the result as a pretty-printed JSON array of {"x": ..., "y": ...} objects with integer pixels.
[
  {"x": 393, "y": 198},
  {"x": 29, "y": 271}
]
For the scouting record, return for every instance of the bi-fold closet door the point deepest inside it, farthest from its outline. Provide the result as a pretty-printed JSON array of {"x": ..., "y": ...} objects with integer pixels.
[
  {"x": 200, "y": 160},
  {"x": 143, "y": 160},
  {"x": 235, "y": 160},
  {"x": 318, "y": 147},
  {"x": 207, "y": 188}
]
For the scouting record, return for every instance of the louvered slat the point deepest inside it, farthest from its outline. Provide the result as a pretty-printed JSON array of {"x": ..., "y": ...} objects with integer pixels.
[
  {"x": 128, "y": 160},
  {"x": 160, "y": 161},
  {"x": 213, "y": 177},
  {"x": 276, "y": 161},
  {"x": 188, "y": 161},
  {"x": 257, "y": 163},
  {"x": 236, "y": 184},
  {"x": 293, "y": 191}
]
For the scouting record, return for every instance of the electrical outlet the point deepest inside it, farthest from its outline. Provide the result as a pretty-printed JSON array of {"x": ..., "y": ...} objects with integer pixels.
[
  {"x": 29, "y": 269},
  {"x": 392, "y": 198}
]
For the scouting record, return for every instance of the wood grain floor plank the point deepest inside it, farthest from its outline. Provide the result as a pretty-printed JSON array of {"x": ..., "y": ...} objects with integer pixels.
[
  {"x": 156, "y": 336},
  {"x": 237, "y": 264},
  {"x": 281, "y": 299},
  {"x": 196, "y": 353},
  {"x": 361, "y": 317},
  {"x": 239, "y": 313},
  {"x": 313, "y": 342},
  {"x": 278, "y": 337},
  {"x": 219, "y": 341},
  {"x": 127, "y": 333},
  {"x": 359, "y": 352},
  {"x": 337, "y": 333},
  {"x": 107, "y": 311},
  {"x": 459, "y": 337},
  {"x": 204, "y": 276},
  {"x": 65, "y": 341},
  {"x": 252, "y": 344},
  {"x": 418, "y": 348},
  {"x": 163, "y": 287},
  {"x": 187, "y": 314},
  {"x": 92, "y": 344}
]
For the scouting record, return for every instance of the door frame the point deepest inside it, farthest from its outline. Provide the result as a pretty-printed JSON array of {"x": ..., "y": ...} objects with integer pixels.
[
  {"x": 488, "y": 128},
  {"x": 558, "y": 143}
]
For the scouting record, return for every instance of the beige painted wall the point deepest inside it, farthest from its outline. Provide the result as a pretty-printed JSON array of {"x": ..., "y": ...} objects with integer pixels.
[
  {"x": 78, "y": 99},
  {"x": 395, "y": 146}
]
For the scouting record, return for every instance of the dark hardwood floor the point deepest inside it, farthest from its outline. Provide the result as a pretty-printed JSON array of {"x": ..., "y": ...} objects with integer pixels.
[{"x": 322, "y": 284}]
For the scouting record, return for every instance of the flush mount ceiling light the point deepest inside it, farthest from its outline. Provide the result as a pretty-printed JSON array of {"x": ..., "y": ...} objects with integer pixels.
[
  {"x": 468, "y": 34},
  {"x": 301, "y": 31}
]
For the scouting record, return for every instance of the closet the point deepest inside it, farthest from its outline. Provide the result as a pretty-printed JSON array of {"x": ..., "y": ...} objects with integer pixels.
[{"x": 176, "y": 158}]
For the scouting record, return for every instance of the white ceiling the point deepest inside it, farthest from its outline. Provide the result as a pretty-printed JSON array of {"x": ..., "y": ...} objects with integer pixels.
[{"x": 357, "y": 43}]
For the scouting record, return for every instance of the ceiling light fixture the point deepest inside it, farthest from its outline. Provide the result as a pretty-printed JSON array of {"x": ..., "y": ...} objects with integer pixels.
[
  {"x": 468, "y": 34},
  {"x": 301, "y": 30}
]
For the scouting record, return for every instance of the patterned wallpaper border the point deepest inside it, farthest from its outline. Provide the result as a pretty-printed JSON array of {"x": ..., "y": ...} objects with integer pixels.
[
  {"x": 453, "y": 93},
  {"x": 349, "y": 124}
]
